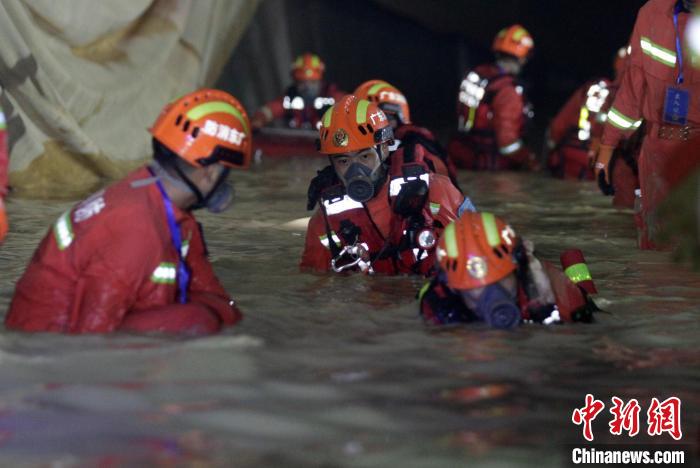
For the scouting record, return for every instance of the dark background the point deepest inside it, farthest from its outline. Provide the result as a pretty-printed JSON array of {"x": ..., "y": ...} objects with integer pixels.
[{"x": 423, "y": 47}]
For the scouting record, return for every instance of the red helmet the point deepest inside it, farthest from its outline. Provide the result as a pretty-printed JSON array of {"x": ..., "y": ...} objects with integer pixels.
[
  {"x": 476, "y": 250},
  {"x": 205, "y": 127},
  {"x": 353, "y": 124},
  {"x": 514, "y": 40},
  {"x": 308, "y": 67},
  {"x": 388, "y": 98}
]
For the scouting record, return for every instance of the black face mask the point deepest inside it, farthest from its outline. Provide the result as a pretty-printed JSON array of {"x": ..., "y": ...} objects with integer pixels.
[
  {"x": 496, "y": 306},
  {"x": 359, "y": 183}
]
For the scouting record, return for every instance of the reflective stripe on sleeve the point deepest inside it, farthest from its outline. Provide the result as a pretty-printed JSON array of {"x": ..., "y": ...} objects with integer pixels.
[
  {"x": 512, "y": 148},
  {"x": 63, "y": 231},
  {"x": 657, "y": 52},
  {"x": 621, "y": 121},
  {"x": 164, "y": 273}
]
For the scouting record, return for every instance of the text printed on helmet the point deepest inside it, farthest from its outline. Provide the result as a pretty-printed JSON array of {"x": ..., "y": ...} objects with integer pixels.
[{"x": 223, "y": 132}]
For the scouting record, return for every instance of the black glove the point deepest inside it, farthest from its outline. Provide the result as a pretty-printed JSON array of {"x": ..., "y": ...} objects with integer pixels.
[
  {"x": 605, "y": 187},
  {"x": 325, "y": 178},
  {"x": 411, "y": 198}
]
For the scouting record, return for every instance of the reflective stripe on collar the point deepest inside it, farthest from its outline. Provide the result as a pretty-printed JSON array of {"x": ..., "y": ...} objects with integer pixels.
[
  {"x": 344, "y": 204},
  {"x": 395, "y": 185}
]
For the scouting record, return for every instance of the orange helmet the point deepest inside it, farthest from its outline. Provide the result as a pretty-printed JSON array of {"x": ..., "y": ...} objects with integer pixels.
[
  {"x": 353, "y": 124},
  {"x": 476, "y": 250},
  {"x": 205, "y": 127},
  {"x": 388, "y": 98},
  {"x": 514, "y": 40},
  {"x": 308, "y": 67}
]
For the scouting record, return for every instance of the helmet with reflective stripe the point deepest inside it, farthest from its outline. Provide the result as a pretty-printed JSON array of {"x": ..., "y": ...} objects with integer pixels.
[
  {"x": 388, "y": 98},
  {"x": 353, "y": 124},
  {"x": 206, "y": 127},
  {"x": 476, "y": 250},
  {"x": 514, "y": 40},
  {"x": 308, "y": 67}
]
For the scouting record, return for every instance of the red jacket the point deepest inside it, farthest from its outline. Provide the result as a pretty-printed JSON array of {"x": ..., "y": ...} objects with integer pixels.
[
  {"x": 291, "y": 108},
  {"x": 652, "y": 67},
  {"x": 434, "y": 152},
  {"x": 501, "y": 114},
  {"x": 4, "y": 155},
  {"x": 443, "y": 204},
  {"x": 110, "y": 260},
  {"x": 582, "y": 116}
]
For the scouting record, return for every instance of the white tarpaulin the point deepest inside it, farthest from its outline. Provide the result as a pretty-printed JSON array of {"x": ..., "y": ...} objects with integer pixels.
[{"x": 82, "y": 80}]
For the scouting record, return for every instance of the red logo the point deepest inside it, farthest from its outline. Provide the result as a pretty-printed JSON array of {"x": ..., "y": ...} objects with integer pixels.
[
  {"x": 587, "y": 414},
  {"x": 662, "y": 417},
  {"x": 665, "y": 417}
]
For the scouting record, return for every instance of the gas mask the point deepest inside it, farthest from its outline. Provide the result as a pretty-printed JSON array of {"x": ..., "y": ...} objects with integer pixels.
[
  {"x": 494, "y": 305},
  {"x": 362, "y": 182}
]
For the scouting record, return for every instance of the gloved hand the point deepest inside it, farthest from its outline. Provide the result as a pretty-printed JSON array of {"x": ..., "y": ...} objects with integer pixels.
[
  {"x": 325, "y": 178},
  {"x": 605, "y": 186},
  {"x": 601, "y": 163},
  {"x": 4, "y": 225}
]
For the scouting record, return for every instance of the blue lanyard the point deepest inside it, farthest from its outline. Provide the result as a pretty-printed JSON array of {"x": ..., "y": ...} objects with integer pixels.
[
  {"x": 679, "y": 51},
  {"x": 183, "y": 275}
]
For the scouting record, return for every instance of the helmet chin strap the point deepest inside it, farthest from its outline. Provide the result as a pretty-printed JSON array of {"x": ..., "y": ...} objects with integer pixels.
[{"x": 184, "y": 183}]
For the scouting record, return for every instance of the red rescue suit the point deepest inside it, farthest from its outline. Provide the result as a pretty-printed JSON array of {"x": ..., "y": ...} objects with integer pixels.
[
  {"x": 4, "y": 164},
  {"x": 295, "y": 111},
  {"x": 109, "y": 264},
  {"x": 440, "y": 305},
  {"x": 572, "y": 129},
  {"x": 374, "y": 225},
  {"x": 434, "y": 154},
  {"x": 653, "y": 68},
  {"x": 492, "y": 122}
]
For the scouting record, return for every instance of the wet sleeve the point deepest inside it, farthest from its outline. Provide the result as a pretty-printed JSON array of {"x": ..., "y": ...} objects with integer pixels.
[
  {"x": 109, "y": 280},
  {"x": 567, "y": 117},
  {"x": 205, "y": 288},
  {"x": 445, "y": 199},
  {"x": 316, "y": 256},
  {"x": 508, "y": 118},
  {"x": 626, "y": 112}
]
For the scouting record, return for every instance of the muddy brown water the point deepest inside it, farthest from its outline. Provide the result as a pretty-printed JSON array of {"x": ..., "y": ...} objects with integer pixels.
[{"x": 339, "y": 371}]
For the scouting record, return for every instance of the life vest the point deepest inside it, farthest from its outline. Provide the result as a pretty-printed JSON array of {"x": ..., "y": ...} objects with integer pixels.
[
  {"x": 409, "y": 246},
  {"x": 592, "y": 115},
  {"x": 299, "y": 112},
  {"x": 476, "y": 94}
]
